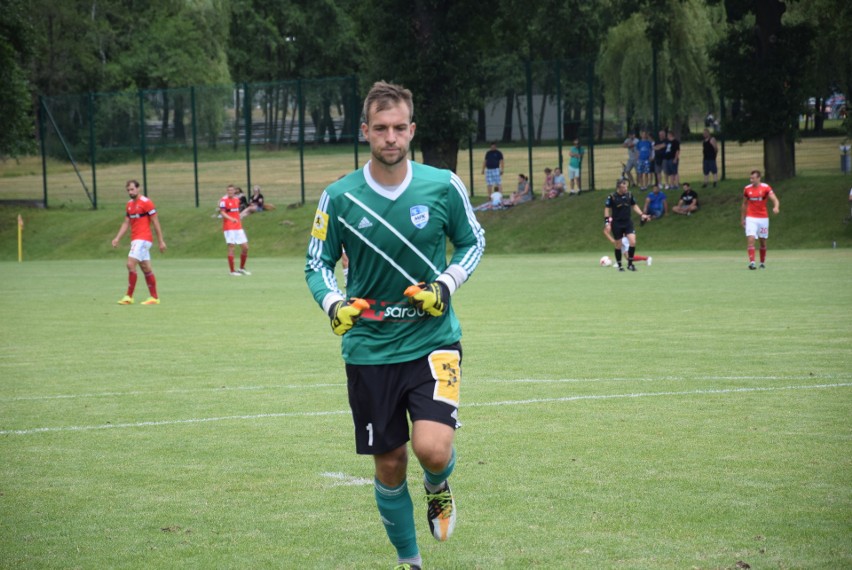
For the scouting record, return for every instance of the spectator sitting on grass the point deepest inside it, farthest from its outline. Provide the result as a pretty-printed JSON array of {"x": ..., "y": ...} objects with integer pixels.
[
  {"x": 495, "y": 203},
  {"x": 548, "y": 190},
  {"x": 688, "y": 203},
  {"x": 559, "y": 184},
  {"x": 523, "y": 193},
  {"x": 655, "y": 203},
  {"x": 256, "y": 204}
]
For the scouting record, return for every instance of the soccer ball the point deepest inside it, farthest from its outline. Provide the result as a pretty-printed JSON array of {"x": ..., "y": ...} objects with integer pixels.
[{"x": 606, "y": 261}]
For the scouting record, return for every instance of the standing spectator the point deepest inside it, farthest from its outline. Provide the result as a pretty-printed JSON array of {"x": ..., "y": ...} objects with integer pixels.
[
  {"x": 576, "y": 153},
  {"x": 672, "y": 160},
  {"x": 492, "y": 168},
  {"x": 523, "y": 193},
  {"x": 659, "y": 159},
  {"x": 232, "y": 227},
  {"x": 710, "y": 148},
  {"x": 632, "y": 156},
  {"x": 140, "y": 216},
  {"x": 755, "y": 218},
  {"x": 403, "y": 354},
  {"x": 688, "y": 203},
  {"x": 644, "y": 152},
  {"x": 559, "y": 181},
  {"x": 617, "y": 219},
  {"x": 655, "y": 204}
]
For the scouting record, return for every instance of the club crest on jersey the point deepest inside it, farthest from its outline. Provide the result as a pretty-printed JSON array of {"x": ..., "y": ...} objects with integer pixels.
[
  {"x": 320, "y": 228},
  {"x": 419, "y": 216}
]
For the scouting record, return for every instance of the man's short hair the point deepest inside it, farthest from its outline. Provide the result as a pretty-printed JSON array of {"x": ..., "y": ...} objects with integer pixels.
[
  {"x": 385, "y": 95},
  {"x": 756, "y": 172}
]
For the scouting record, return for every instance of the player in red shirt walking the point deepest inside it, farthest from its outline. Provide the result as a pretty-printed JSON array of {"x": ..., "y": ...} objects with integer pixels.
[
  {"x": 140, "y": 216},
  {"x": 232, "y": 226},
  {"x": 755, "y": 218}
]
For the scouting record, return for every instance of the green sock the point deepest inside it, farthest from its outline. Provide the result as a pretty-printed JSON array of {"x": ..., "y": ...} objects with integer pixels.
[
  {"x": 436, "y": 479},
  {"x": 397, "y": 513}
]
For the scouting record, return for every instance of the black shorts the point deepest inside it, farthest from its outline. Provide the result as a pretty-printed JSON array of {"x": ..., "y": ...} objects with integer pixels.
[
  {"x": 381, "y": 395},
  {"x": 621, "y": 229}
]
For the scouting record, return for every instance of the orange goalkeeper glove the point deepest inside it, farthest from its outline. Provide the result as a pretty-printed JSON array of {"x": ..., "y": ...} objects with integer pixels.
[
  {"x": 431, "y": 298},
  {"x": 344, "y": 315}
]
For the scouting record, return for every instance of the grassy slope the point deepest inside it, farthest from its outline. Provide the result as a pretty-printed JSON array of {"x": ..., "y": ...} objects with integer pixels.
[{"x": 811, "y": 212}]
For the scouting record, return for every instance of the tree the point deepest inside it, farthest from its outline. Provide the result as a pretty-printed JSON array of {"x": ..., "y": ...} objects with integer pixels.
[
  {"x": 760, "y": 66},
  {"x": 16, "y": 136},
  {"x": 296, "y": 39},
  {"x": 677, "y": 34},
  {"x": 831, "y": 62},
  {"x": 434, "y": 48}
]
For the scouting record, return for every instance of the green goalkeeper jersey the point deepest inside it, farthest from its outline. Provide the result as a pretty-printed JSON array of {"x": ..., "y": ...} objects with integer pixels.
[{"x": 394, "y": 238}]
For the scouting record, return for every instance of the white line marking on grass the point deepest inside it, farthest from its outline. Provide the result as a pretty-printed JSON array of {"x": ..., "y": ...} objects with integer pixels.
[
  {"x": 338, "y": 385},
  {"x": 658, "y": 378},
  {"x": 652, "y": 394},
  {"x": 470, "y": 405},
  {"x": 342, "y": 479},
  {"x": 174, "y": 391},
  {"x": 169, "y": 422}
]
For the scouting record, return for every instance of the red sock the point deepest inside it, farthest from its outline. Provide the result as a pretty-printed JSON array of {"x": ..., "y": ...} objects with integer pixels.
[
  {"x": 762, "y": 254},
  {"x": 640, "y": 258},
  {"x": 231, "y": 262},
  {"x": 152, "y": 284},
  {"x": 751, "y": 254},
  {"x": 132, "y": 276},
  {"x": 243, "y": 257}
]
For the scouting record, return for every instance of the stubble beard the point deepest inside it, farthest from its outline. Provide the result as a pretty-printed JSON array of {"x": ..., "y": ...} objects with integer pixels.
[{"x": 401, "y": 156}]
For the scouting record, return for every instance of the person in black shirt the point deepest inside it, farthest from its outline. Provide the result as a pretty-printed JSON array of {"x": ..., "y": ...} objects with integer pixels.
[
  {"x": 672, "y": 160},
  {"x": 617, "y": 216},
  {"x": 256, "y": 205},
  {"x": 492, "y": 168},
  {"x": 688, "y": 203},
  {"x": 710, "y": 150}
]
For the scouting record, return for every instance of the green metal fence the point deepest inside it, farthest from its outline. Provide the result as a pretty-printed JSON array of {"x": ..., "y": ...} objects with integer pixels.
[
  {"x": 294, "y": 137},
  {"x": 167, "y": 136}
]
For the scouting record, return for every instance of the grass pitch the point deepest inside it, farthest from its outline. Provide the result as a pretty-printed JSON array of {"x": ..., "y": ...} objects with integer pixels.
[{"x": 691, "y": 415}]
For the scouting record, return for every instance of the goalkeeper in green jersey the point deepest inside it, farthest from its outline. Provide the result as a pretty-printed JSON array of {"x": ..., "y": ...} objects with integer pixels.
[{"x": 400, "y": 336}]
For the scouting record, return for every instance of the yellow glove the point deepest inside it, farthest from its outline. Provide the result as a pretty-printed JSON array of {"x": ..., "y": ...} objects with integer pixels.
[
  {"x": 431, "y": 298},
  {"x": 344, "y": 316}
]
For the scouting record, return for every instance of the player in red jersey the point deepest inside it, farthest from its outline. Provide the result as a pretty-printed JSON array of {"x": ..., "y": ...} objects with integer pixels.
[
  {"x": 755, "y": 218},
  {"x": 232, "y": 226},
  {"x": 140, "y": 216}
]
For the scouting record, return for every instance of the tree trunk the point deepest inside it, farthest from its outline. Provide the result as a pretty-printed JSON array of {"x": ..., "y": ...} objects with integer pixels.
[
  {"x": 779, "y": 158},
  {"x": 819, "y": 117},
  {"x": 164, "y": 132},
  {"x": 507, "y": 122},
  {"x": 520, "y": 118},
  {"x": 778, "y": 154},
  {"x": 440, "y": 154},
  {"x": 480, "y": 124},
  {"x": 237, "y": 107},
  {"x": 179, "y": 127}
]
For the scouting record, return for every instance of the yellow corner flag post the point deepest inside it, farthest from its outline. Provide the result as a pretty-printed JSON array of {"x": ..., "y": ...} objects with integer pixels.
[{"x": 20, "y": 238}]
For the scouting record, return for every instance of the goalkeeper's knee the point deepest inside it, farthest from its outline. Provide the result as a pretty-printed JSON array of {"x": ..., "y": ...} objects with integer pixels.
[
  {"x": 344, "y": 315},
  {"x": 431, "y": 299}
]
